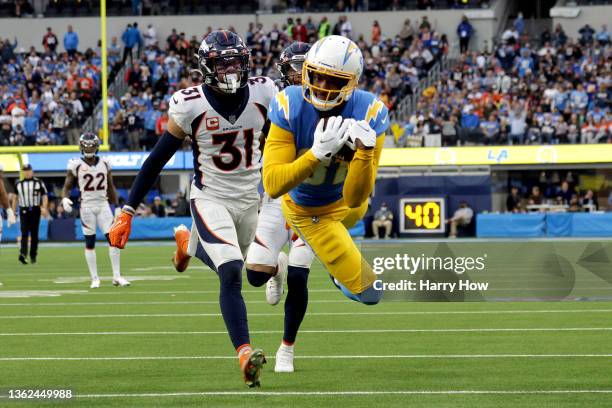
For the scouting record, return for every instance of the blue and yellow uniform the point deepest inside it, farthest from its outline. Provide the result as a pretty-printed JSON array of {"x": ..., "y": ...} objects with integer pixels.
[{"x": 321, "y": 200}]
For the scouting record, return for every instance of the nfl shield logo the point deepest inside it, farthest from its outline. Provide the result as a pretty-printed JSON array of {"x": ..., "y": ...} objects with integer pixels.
[{"x": 232, "y": 118}]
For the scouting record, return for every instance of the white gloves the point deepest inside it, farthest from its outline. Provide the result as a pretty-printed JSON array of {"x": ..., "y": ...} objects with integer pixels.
[
  {"x": 67, "y": 204},
  {"x": 329, "y": 141},
  {"x": 10, "y": 217},
  {"x": 360, "y": 129}
]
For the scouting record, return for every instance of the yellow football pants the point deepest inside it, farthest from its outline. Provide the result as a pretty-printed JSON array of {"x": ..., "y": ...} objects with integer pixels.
[{"x": 325, "y": 230}]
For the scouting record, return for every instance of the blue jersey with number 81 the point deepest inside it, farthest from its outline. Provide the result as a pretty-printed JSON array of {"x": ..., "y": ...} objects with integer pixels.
[{"x": 291, "y": 112}]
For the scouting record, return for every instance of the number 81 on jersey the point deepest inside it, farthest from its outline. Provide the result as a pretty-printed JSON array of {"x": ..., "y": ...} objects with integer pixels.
[{"x": 422, "y": 215}]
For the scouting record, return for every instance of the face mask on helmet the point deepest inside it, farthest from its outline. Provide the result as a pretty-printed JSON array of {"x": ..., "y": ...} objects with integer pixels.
[
  {"x": 89, "y": 146},
  {"x": 326, "y": 89},
  {"x": 223, "y": 61},
  {"x": 331, "y": 72}
]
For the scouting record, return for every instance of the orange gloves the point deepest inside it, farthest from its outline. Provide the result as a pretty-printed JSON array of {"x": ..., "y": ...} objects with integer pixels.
[{"x": 120, "y": 230}]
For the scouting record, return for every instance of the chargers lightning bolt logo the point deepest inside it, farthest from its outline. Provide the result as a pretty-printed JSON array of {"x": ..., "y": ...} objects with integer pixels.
[{"x": 283, "y": 103}]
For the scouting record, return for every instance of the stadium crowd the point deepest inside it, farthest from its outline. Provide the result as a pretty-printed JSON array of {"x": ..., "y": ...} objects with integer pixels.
[
  {"x": 526, "y": 91},
  {"x": 551, "y": 192},
  {"x": 158, "y": 67},
  {"x": 44, "y": 94}
]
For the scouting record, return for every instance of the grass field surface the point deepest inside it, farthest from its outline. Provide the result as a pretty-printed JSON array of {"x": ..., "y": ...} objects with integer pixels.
[{"x": 162, "y": 342}]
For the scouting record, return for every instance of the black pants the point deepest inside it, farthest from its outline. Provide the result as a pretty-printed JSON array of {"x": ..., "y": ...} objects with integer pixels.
[
  {"x": 30, "y": 219},
  {"x": 463, "y": 44}
]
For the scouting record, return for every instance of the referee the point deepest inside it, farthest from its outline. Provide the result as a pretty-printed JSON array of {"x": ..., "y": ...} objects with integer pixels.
[{"x": 31, "y": 194}]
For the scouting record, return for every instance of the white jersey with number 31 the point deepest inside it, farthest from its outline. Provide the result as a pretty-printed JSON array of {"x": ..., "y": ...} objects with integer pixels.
[
  {"x": 92, "y": 180},
  {"x": 226, "y": 155}
]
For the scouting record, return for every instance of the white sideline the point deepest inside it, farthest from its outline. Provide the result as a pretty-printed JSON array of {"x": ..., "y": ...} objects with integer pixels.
[
  {"x": 180, "y": 333},
  {"x": 450, "y": 312},
  {"x": 339, "y": 393},
  {"x": 331, "y": 357}
]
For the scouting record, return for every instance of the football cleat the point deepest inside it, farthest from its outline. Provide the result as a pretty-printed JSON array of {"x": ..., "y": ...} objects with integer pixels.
[
  {"x": 284, "y": 359},
  {"x": 121, "y": 281},
  {"x": 275, "y": 285},
  {"x": 251, "y": 363},
  {"x": 95, "y": 284},
  {"x": 180, "y": 260}
]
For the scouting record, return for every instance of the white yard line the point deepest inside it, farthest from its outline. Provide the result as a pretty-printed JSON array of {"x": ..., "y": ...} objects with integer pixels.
[
  {"x": 181, "y": 333},
  {"x": 196, "y": 302},
  {"x": 314, "y": 357},
  {"x": 338, "y": 393},
  {"x": 450, "y": 312}
]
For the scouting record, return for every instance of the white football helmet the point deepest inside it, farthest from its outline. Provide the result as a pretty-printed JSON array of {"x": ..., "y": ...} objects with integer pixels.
[{"x": 331, "y": 72}]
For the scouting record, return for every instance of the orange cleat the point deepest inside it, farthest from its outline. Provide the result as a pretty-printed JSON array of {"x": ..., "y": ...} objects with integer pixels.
[
  {"x": 180, "y": 260},
  {"x": 251, "y": 363}
]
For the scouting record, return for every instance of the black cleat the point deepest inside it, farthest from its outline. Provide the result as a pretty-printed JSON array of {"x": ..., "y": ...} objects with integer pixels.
[
  {"x": 23, "y": 260},
  {"x": 32, "y": 259}
]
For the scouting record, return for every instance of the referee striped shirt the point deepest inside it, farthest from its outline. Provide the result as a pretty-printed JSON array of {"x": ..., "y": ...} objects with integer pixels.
[{"x": 30, "y": 192}]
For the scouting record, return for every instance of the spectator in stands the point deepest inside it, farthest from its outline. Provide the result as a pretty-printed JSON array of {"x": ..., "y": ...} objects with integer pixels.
[
  {"x": 131, "y": 37},
  {"x": 346, "y": 28},
  {"x": 535, "y": 198},
  {"x": 50, "y": 41},
  {"x": 564, "y": 194},
  {"x": 158, "y": 208},
  {"x": 586, "y": 35},
  {"x": 519, "y": 24},
  {"x": 464, "y": 32},
  {"x": 383, "y": 217},
  {"x": 118, "y": 132},
  {"x": 589, "y": 202},
  {"x": 162, "y": 121},
  {"x": 71, "y": 41},
  {"x": 461, "y": 218},
  {"x": 603, "y": 37},
  {"x": 376, "y": 32},
  {"x": 324, "y": 28},
  {"x": 299, "y": 31},
  {"x": 513, "y": 202},
  {"x": 407, "y": 33},
  {"x": 180, "y": 205},
  {"x": 518, "y": 124},
  {"x": 150, "y": 36}
]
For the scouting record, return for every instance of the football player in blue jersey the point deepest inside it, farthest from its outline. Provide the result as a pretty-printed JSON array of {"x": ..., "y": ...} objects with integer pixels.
[{"x": 321, "y": 156}]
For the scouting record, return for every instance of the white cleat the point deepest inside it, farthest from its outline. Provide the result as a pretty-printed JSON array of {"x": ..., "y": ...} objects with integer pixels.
[
  {"x": 121, "y": 281},
  {"x": 275, "y": 285},
  {"x": 95, "y": 284},
  {"x": 284, "y": 359}
]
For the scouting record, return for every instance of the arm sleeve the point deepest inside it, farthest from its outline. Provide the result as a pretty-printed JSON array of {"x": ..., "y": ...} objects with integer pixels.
[
  {"x": 362, "y": 174},
  {"x": 163, "y": 151},
  {"x": 282, "y": 171}
]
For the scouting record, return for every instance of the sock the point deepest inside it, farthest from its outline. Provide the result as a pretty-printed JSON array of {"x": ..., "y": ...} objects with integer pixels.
[
  {"x": 257, "y": 278},
  {"x": 90, "y": 256},
  {"x": 296, "y": 302},
  {"x": 115, "y": 257},
  {"x": 232, "y": 304},
  {"x": 243, "y": 349}
]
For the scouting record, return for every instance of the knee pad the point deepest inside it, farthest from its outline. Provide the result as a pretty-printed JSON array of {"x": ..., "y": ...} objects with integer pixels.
[
  {"x": 230, "y": 273},
  {"x": 257, "y": 278},
  {"x": 90, "y": 241},
  {"x": 301, "y": 255}
]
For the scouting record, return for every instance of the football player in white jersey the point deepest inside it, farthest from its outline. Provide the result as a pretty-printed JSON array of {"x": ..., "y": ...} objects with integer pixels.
[
  {"x": 224, "y": 118},
  {"x": 4, "y": 203},
  {"x": 265, "y": 262},
  {"x": 92, "y": 174}
]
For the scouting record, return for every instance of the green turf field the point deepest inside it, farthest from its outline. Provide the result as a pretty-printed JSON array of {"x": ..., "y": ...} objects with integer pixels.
[{"x": 162, "y": 342}]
